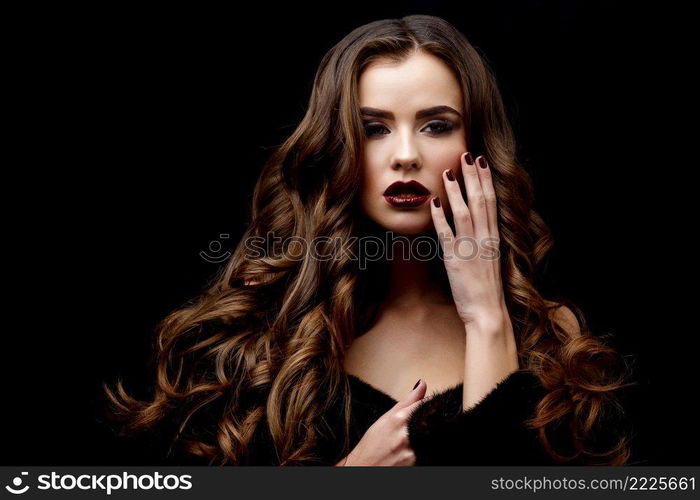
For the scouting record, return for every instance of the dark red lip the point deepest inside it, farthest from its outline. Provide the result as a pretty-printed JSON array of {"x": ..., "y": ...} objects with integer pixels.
[
  {"x": 407, "y": 200},
  {"x": 403, "y": 188},
  {"x": 406, "y": 194}
]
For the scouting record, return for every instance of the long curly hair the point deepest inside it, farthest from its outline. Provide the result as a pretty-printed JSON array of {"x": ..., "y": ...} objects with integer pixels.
[{"x": 264, "y": 344}]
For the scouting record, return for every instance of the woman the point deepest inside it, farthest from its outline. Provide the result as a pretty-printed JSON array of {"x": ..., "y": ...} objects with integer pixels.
[{"x": 292, "y": 357}]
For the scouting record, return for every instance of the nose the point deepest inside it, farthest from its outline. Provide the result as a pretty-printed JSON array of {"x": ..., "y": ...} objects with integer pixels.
[
  {"x": 399, "y": 164},
  {"x": 407, "y": 155}
]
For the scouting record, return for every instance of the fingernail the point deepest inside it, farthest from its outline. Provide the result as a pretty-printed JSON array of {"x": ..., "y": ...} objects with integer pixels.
[
  {"x": 450, "y": 175},
  {"x": 414, "y": 387},
  {"x": 436, "y": 201},
  {"x": 469, "y": 158},
  {"x": 482, "y": 162}
]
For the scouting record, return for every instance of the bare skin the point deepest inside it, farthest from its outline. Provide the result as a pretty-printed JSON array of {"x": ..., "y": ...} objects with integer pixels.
[{"x": 418, "y": 335}]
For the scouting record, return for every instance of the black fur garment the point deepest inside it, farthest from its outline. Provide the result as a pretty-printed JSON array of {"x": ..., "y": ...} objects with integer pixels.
[{"x": 492, "y": 432}]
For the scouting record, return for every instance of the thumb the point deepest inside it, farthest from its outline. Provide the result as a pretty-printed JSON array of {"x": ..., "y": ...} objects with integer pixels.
[{"x": 415, "y": 395}]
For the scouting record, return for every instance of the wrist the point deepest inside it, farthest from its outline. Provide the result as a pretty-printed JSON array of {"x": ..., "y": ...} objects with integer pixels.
[
  {"x": 488, "y": 324},
  {"x": 494, "y": 340},
  {"x": 493, "y": 327}
]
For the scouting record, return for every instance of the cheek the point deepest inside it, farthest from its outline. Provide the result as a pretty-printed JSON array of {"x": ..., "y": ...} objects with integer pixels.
[
  {"x": 448, "y": 159},
  {"x": 368, "y": 186},
  {"x": 370, "y": 173}
]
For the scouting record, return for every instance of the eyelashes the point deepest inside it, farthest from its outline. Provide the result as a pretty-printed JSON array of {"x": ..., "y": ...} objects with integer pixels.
[{"x": 436, "y": 127}]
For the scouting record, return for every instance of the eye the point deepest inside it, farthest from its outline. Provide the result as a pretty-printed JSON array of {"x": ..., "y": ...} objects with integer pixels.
[
  {"x": 372, "y": 128},
  {"x": 440, "y": 126},
  {"x": 436, "y": 127}
]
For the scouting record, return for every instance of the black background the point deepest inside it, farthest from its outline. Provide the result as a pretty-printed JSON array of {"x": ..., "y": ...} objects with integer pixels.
[{"x": 138, "y": 136}]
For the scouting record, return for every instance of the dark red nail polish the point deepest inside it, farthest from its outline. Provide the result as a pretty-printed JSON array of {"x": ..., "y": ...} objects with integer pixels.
[
  {"x": 414, "y": 387},
  {"x": 469, "y": 158},
  {"x": 436, "y": 201},
  {"x": 482, "y": 162},
  {"x": 450, "y": 175}
]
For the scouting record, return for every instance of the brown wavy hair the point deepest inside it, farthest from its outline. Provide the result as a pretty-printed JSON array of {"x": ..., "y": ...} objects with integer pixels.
[{"x": 264, "y": 344}]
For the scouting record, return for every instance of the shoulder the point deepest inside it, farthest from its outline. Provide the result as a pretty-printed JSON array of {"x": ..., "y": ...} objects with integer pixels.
[{"x": 565, "y": 318}]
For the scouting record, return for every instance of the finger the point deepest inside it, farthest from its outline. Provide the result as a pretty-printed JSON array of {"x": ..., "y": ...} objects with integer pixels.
[
  {"x": 415, "y": 395},
  {"x": 442, "y": 227},
  {"x": 413, "y": 407},
  {"x": 461, "y": 214},
  {"x": 486, "y": 179},
  {"x": 489, "y": 195},
  {"x": 475, "y": 197}
]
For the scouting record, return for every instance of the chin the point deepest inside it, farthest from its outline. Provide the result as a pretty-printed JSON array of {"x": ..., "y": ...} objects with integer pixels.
[{"x": 407, "y": 224}]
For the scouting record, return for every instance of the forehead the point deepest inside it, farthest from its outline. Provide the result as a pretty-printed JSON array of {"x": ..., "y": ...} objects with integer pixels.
[{"x": 418, "y": 82}]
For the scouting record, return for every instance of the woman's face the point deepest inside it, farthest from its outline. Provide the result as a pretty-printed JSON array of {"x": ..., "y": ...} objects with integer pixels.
[{"x": 404, "y": 142}]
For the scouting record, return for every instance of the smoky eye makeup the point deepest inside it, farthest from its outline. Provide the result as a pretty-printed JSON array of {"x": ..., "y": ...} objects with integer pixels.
[
  {"x": 373, "y": 129},
  {"x": 440, "y": 126},
  {"x": 433, "y": 127}
]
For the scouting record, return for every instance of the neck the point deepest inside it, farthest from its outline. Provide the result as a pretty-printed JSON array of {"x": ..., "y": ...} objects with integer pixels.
[{"x": 414, "y": 284}]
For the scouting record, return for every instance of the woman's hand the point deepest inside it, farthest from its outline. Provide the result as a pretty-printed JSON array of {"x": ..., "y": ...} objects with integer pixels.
[
  {"x": 472, "y": 256},
  {"x": 472, "y": 260},
  {"x": 386, "y": 441}
]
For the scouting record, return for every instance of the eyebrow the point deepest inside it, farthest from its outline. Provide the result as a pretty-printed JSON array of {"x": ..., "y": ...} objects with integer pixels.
[{"x": 435, "y": 110}]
